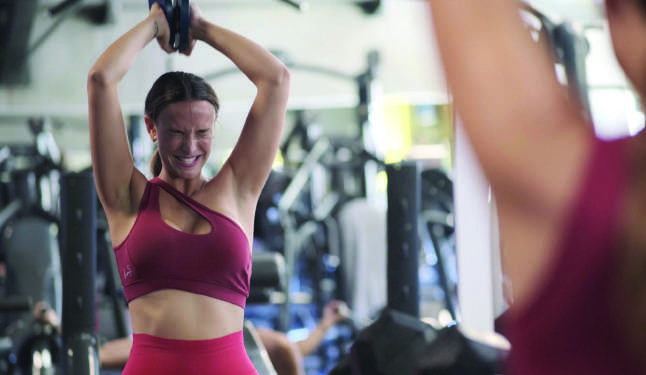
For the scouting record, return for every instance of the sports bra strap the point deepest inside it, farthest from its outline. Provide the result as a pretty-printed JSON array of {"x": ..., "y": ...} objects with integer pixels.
[
  {"x": 192, "y": 203},
  {"x": 146, "y": 199}
]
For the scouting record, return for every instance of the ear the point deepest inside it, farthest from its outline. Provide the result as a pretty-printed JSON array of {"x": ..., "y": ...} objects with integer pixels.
[
  {"x": 610, "y": 7},
  {"x": 614, "y": 7},
  {"x": 151, "y": 127}
]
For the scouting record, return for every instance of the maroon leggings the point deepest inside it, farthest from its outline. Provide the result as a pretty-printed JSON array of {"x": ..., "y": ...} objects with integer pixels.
[{"x": 160, "y": 356}]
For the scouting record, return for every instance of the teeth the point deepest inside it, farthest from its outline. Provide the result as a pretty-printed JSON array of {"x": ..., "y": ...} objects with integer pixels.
[{"x": 187, "y": 160}]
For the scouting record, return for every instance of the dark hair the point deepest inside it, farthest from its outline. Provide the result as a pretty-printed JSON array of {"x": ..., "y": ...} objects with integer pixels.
[
  {"x": 175, "y": 87},
  {"x": 642, "y": 5}
]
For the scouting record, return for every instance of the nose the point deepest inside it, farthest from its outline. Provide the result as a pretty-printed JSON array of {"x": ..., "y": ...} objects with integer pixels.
[{"x": 190, "y": 144}]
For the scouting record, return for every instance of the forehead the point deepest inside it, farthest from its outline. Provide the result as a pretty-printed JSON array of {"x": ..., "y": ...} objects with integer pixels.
[{"x": 188, "y": 113}]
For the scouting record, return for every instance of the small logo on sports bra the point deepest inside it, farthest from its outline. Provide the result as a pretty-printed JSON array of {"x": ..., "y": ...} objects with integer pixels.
[{"x": 127, "y": 272}]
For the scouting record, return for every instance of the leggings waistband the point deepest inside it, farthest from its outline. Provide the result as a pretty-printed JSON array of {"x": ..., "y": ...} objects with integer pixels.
[
  {"x": 224, "y": 355},
  {"x": 144, "y": 340}
]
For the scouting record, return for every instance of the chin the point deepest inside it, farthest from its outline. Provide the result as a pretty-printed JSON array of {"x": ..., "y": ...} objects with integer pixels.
[{"x": 186, "y": 174}]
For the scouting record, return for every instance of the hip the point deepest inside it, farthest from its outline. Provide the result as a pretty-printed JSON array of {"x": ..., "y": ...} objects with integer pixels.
[{"x": 157, "y": 355}]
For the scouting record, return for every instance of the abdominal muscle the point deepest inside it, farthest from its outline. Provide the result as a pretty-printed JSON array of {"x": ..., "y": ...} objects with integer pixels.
[{"x": 177, "y": 314}]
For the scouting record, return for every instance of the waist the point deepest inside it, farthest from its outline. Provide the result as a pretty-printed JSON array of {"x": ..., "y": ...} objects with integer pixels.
[
  {"x": 163, "y": 356},
  {"x": 143, "y": 340},
  {"x": 176, "y": 314}
]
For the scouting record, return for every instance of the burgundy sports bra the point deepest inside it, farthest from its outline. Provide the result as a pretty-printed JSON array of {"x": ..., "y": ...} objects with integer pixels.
[
  {"x": 157, "y": 256},
  {"x": 572, "y": 325}
]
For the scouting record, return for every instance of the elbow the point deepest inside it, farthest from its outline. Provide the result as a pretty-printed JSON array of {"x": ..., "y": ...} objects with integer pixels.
[
  {"x": 281, "y": 77},
  {"x": 284, "y": 76},
  {"x": 97, "y": 78}
]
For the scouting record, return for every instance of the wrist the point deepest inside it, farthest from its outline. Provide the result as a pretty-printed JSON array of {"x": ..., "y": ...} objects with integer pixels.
[
  {"x": 199, "y": 29},
  {"x": 324, "y": 325},
  {"x": 156, "y": 20}
]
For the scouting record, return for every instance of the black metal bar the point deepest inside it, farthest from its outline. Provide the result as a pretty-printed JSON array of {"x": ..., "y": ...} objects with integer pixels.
[
  {"x": 298, "y": 4},
  {"x": 441, "y": 270},
  {"x": 16, "y": 304},
  {"x": 574, "y": 50},
  {"x": 16, "y": 20},
  {"x": 403, "y": 240},
  {"x": 364, "y": 81},
  {"x": 78, "y": 247},
  {"x": 62, "y": 6},
  {"x": 113, "y": 287},
  {"x": 293, "y": 66},
  {"x": 364, "y": 85},
  {"x": 9, "y": 211},
  {"x": 44, "y": 36},
  {"x": 569, "y": 48},
  {"x": 365, "y": 113}
]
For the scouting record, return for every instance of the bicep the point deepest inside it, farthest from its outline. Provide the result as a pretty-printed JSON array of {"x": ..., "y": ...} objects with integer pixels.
[{"x": 534, "y": 163}]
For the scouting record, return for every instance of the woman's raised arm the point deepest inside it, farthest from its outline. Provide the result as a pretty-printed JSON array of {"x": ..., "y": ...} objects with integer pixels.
[
  {"x": 252, "y": 158},
  {"x": 117, "y": 179},
  {"x": 527, "y": 132}
]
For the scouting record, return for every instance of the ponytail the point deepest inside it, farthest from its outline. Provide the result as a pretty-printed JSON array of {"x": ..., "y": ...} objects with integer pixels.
[
  {"x": 642, "y": 3},
  {"x": 155, "y": 164}
]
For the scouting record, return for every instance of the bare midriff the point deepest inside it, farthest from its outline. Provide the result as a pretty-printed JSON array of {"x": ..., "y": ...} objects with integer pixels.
[{"x": 181, "y": 315}]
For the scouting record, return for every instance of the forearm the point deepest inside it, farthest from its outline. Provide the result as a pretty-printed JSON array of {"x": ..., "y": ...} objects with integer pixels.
[
  {"x": 309, "y": 345},
  {"x": 258, "y": 64},
  {"x": 114, "y": 354},
  {"x": 115, "y": 62}
]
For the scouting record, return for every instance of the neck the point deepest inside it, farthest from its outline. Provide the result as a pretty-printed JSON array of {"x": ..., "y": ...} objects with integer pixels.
[{"x": 186, "y": 186}]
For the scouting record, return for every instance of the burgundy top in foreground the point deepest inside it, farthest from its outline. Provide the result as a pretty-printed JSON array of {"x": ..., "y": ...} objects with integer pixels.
[
  {"x": 157, "y": 256},
  {"x": 571, "y": 325}
]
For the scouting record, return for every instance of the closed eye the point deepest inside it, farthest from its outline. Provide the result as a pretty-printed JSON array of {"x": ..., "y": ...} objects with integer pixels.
[{"x": 203, "y": 133}]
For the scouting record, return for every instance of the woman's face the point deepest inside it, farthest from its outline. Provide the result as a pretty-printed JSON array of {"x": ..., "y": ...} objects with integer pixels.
[{"x": 184, "y": 135}]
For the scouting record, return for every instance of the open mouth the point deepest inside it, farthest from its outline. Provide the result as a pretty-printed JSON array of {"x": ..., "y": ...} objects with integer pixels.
[{"x": 187, "y": 162}]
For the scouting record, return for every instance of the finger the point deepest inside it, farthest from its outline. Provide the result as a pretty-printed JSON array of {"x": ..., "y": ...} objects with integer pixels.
[
  {"x": 334, "y": 304},
  {"x": 343, "y": 310},
  {"x": 189, "y": 49},
  {"x": 155, "y": 7}
]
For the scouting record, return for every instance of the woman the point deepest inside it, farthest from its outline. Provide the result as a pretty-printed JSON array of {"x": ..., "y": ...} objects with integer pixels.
[
  {"x": 571, "y": 206},
  {"x": 182, "y": 242}
]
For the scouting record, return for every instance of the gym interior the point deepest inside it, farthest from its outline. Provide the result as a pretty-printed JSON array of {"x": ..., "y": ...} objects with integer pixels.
[{"x": 375, "y": 198}]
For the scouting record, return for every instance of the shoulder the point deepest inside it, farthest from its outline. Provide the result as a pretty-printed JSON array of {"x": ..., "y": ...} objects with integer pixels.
[{"x": 222, "y": 195}]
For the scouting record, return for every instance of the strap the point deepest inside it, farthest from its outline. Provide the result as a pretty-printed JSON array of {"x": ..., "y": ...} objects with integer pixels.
[
  {"x": 146, "y": 198},
  {"x": 195, "y": 205}
]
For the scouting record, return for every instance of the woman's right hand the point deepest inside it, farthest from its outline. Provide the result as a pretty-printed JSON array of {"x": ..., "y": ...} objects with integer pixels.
[{"x": 162, "y": 28}]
